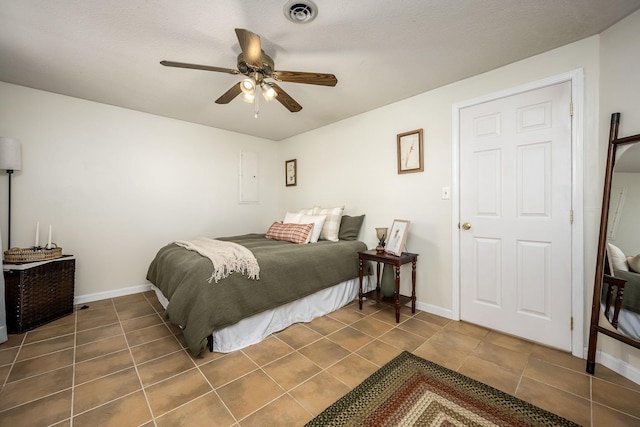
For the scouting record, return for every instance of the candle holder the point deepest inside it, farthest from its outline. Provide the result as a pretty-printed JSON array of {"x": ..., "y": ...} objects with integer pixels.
[
  {"x": 381, "y": 233},
  {"x": 32, "y": 254}
]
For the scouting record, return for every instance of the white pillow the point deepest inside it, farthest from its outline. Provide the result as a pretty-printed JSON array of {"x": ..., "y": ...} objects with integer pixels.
[
  {"x": 292, "y": 218},
  {"x": 317, "y": 221},
  {"x": 618, "y": 259},
  {"x": 307, "y": 211},
  {"x": 634, "y": 263},
  {"x": 331, "y": 227}
]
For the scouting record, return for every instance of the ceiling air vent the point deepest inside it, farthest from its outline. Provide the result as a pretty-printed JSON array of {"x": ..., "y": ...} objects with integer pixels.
[{"x": 300, "y": 12}]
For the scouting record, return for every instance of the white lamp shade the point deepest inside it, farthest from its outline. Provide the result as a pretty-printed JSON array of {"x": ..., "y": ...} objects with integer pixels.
[{"x": 10, "y": 154}]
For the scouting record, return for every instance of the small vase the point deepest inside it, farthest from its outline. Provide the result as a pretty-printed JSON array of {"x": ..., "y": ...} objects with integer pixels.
[{"x": 388, "y": 282}]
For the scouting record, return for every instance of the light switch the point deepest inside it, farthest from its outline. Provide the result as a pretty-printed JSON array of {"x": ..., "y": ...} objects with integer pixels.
[{"x": 446, "y": 193}]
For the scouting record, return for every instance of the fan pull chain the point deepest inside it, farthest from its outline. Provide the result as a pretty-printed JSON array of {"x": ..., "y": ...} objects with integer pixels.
[{"x": 256, "y": 102}]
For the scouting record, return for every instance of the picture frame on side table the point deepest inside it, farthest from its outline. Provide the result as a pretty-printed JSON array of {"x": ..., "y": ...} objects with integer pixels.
[
  {"x": 291, "y": 173},
  {"x": 410, "y": 152},
  {"x": 397, "y": 236}
]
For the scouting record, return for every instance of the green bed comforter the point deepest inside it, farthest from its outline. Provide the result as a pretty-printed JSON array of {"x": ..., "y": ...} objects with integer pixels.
[{"x": 287, "y": 272}]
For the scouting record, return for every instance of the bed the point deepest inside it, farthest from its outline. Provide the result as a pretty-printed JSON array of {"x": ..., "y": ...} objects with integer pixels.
[
  {"x": 297, "y": 282},
  {"x": 623, "y": 313}
]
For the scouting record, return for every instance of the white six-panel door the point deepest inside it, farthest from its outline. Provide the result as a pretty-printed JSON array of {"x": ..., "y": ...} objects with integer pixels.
[{"x": 515, "y": 195}]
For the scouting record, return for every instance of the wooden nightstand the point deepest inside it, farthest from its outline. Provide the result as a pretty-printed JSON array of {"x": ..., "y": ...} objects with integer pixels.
[
  {"x": 397, "y": 300},
  {"x": 38, "y": 292}
]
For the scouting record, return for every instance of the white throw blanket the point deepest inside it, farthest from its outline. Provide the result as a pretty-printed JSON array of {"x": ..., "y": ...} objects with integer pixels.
[{"x": 226, "y": 257}]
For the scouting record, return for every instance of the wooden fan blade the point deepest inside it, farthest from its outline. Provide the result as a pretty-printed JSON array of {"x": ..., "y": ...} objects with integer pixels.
[
  {"x": 250, "y": 45},
  {"x": 308, "y": 78},
  {"x": 229, "y": 95},
  {"x": 286, "y": 100},
  {"x": 198, "y": 67}
]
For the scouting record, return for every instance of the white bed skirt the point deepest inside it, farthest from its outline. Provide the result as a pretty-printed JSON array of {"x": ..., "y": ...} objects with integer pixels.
[
  {"x": 254, "y": 329},
  {"x": 628, "y": 322}
]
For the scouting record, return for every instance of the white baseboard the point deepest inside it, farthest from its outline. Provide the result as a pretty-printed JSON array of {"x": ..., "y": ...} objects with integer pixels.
[
  {"x": 81, "y": 299},
  {"x": 434, "y": 309},
  {"x": 621, "y": 367}
]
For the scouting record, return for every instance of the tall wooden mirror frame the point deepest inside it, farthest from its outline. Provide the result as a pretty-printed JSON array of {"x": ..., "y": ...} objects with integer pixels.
[{"x": 614, "y": 143}]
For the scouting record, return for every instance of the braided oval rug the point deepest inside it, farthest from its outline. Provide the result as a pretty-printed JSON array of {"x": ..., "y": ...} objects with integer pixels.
[{"x": 411, "y": 391}]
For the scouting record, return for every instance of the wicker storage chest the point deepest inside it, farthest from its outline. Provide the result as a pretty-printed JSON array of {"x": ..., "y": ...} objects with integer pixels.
[{"x": 38, "y": 292}]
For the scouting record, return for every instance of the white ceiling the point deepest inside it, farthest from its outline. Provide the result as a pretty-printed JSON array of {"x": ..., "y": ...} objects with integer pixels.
[{"x": 381, "y": 51}]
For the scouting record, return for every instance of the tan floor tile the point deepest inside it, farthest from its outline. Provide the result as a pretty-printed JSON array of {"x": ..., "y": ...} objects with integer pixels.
[
  {"x": 490, "y": 374},
  {"x": 204, "y": 410},
  {"x": 559, "y": 377},
  {"x": 603, "y": 416},
  {"x": 451, "y": 359},
  {"x": 372, "y": 327},
  {"x": 324, "y": 352},
  {"x": 350, "y": 338},
  {"x": 69, "y": 319},
  {"x": 4, "y": 373},
  {"x": 352, "y": 370},
  {"x": 454, "y": 342},
  {"x": 227, "y": 368},
  {"x": 432, "y": 318},
  {"x": 154, "y": 349},
  {"x": 560, "y": 358},
  {"x": 513, "y": 361},
  {"x": 95, "y": 304},
  {"x": 141, "y": 322},
  {"x": 267, "y": 351},
  {"x": 102, "y": 366},
  {"x": 387, "y": 314},
  {"x": 467, "y": 329},
  {"x": 104, "y": 389},
  {"x": 419, "y": 327},
  {"x": 44, "y": 347},
  {"x": 284, "y": 412},
  {"x": 39, "y": 365},
  {"x": 559, "y": 402},
  {"x": 13, "y": 340},
  {"x": 319, "y": 392},
  {"x": 128, "y": 410},
  {"x": 90, "y": 319},
  {"x": 42, "y": 412},
  {"x": 145, "y": 335},
  {"x": 509, "y": 342},
  {"x": 249, "y": 393},
  {"x": 19, "y": 392},
  {"x": 347, "y": 315},
  {"x": 97, "y": 334},
  {"x": 616, "y": 397},
  {"x": 176, "y": 391},
  {"x": 325, "y": 325},
  {"x": 402, "y": 339},
  {"x": 164, "y": 367},
  {"x": 135, "y": 309},
  {"x": 291, "y": 370},
  {"x": 100, "y": 348},
  {"x": 298, "y": 336},
  {"x": 606, "y": 374},
  {"x": 51, "y": 332},
  {"x": 378, "y": 352},
  {"x": 8, "y": 356}
]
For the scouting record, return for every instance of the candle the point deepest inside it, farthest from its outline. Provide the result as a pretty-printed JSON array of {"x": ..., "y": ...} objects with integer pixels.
[
  {"x": 49, "y": 241},
  {"x": 37, "y": 234}
]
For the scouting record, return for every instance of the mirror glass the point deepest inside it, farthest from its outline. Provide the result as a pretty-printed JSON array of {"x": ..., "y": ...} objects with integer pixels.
[{"x": 623, "y": 237}]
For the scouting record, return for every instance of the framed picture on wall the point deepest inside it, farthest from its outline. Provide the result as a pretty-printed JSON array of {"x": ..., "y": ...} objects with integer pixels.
[
  {"x": 291, "y": 172},
  {"x": 397, "y": 236},
  {"x": 410, "y": 155}
]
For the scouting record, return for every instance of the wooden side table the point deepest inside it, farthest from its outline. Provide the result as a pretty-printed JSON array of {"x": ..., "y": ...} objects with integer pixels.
[
  {"x": 397, "y": 300},
  {"x": 38, "y": 292}
]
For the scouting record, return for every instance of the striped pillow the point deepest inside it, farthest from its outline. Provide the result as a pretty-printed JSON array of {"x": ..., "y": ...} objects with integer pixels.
[
  {"x": 294, "y": 233},
  {"x": 331, "y": 227}
]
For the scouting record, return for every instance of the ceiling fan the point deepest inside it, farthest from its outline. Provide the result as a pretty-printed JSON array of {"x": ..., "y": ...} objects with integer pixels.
[{"x": 258, "y": 66}]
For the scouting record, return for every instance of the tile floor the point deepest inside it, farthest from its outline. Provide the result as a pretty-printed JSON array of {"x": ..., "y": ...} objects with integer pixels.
[{"x": 117, "y": 363}]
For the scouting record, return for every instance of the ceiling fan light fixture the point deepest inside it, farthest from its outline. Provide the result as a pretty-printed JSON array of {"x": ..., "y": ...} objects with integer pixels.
[
  {"x": 268, "y": 92},
  {"x": 300, "y": 11},
  {"x": 248, "y": 97},
  {"x": 248, "y": 86}
]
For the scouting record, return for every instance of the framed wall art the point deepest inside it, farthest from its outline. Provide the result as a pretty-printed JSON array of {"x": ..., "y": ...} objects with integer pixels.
[
  {"x": 291, "y": 172},
  {"x": 410, "y": 152},
  {"x": 397, "y": 236}
]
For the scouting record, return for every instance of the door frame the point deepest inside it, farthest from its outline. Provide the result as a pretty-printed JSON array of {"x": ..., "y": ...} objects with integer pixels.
[{"x": 576, "y": 77}]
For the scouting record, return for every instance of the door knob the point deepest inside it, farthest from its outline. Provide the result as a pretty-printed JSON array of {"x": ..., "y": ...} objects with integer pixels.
[{"x": 466, "y": 226}]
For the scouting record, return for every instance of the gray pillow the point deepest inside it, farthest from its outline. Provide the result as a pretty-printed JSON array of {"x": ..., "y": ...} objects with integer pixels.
[{"x": 350, "y": 227}]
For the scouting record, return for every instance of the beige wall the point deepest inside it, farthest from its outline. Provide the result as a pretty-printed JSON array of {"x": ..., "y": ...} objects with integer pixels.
[{"x": 117, "y": 184}]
